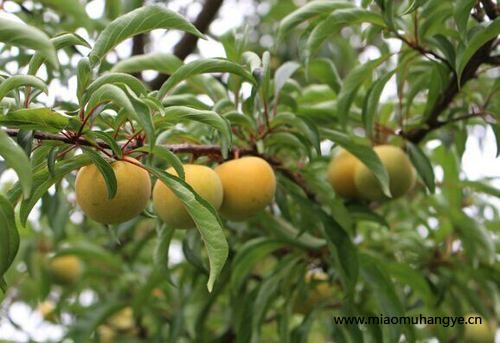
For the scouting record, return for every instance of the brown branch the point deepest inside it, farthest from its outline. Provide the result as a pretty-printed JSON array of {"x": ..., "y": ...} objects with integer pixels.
[
  {"x": 447, "y": 96},
  {"x": 425, "y": 52},
  {"x": 138, "y": 43},
  {"x": 187, "y": 44},
  {"x": 196, "y": 149},
  {"x": 492, "y": 10}
]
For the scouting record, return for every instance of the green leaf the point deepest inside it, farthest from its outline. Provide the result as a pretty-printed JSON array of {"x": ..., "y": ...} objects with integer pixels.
[
  {"x": 288, "y": 233},
  {"x": 83, "y": 77},
  {"x": 247, "y": 256},
  {"x": 172, "y": 159},
  {"x": 108, "y": 139},
  {"x": 365, "y": 154},
  {"x": 42, "y": 181},
  {"x": 338, "y": 18},
  {"x": 482, "y": 187},
  {"x": 461, "y": 14},
  {"x": 16, "y": 81},
  {"x": 282, "y": 74},
  {"x": 43, "y": 119},
  {"x": 176, "y": 113},
  {"x": 384, "y": 293},
  {"x": 422, "y": 165},
  {"x": 212, "y": 65},
  {"x": 140, "y": 20},
  {"x": 157, "y": 61},
  {"x": 311, "y": 10},
  {"x": 116, "y": 78},
  {"x": 106, "y": 171},
  {"x": 372, "y": 99},
  {"x": 73, "y": 8},
  {"x": 488, "y": 32},
  {"x": 324, "y": 70},
  {"x": 351, "y": 85},
  {"x": 61, "y": 41},
  {"x": 15, "y": 157},
  {"x": 9, "y": 244},
  {"x": 26, "y": 36},
  {"x": 412, "y": 278},
  {"x": 206, "y": 219},
  {"x": 344, "y": 252},
  {"x": 110, "y": 93}
]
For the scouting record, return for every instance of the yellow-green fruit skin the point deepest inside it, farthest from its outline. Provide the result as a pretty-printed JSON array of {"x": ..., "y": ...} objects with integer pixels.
[
  {"x": 65, "y": 269},
  {"x": 340, "y": 175},
  {"x": 401, "y": 174},
  {"x": 478, "y": 333},
  {"x": 132, "y": 194},
  {"x": 170, "y": 208},
  {"x": 249, "y": 185}
]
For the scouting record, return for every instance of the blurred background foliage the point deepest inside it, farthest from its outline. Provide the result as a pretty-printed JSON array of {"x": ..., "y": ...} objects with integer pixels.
[{"x": 422, "y": 75}]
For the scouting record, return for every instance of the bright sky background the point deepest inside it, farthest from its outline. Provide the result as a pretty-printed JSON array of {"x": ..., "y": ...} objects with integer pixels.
[{"x": 478, "y": 162}]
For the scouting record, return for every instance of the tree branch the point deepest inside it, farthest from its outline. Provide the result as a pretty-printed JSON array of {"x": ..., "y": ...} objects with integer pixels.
[
  {"x": 492, "y": 10},
  {"x": 447, "y": 96},
  {"x": 195, "y": 149},
  {"x": 187, "y": 44}
]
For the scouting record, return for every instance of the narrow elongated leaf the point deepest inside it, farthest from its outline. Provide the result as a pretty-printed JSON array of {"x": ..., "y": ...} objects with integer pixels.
[
  {"x": 61, "y": 41},
  {"x": 311, "y": 10},
  {"x": 106, "y": 171},
  {"x": 167, "y": 155},
  {"x": 26, "y": 36},
  {"x": 351, "y": 85},
  {"x": 15, "y": 157},
  {"x": 422, "y": 165},
  {"x": 108, "y": 139},
  {"x": 286, "y": 232},
  {"x": 206, "y": 219},
  {"x": 345, "y": 254},
  {"x": 324, "y": 70},
  {"x": 143, "y": 19},
  {"x": 384, "y": 293},
  {"x": 176, "y": 113},
  {"x": 365, "y": 154},
  {"x": 461, "y": 14},
  {"x": 73, "y": 8},
  {"x": 283, "y": 73},
  {"x": 489, "y": 32},
  {"x": 83, "y": 77},
  {"x": 370, "y": 106},
  {"x": 157, "y": 61},
  {"x": 414, "y": 279},
  {"x": 213, "y": 65},
  {"x": 482, "y": 187},
  {"x": 43, "y": 119},
  {"x": 9, "y": 244},
  {"x": 110, "y": 93},
  {"x": 42, "y": 181},
  {"x": 116, "y": 78},
  {"x": 248, "y": 255},
  {"x": 16, "y": 81},
  {"x": 338, "y": 18}
]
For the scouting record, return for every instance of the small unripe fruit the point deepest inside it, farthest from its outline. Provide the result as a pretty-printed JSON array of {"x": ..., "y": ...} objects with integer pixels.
[
  {"x": 65, "y": 269},
  {"x": 132, "y": 194},
  {"x": 123, "y": 320},
  {"x": 398, "y": 165},
  {"x": 48, "y": 311},
  {"x": 478, "y": 333},
  {"x": 171, "y": 209},
  {"x": 320, "y": 291},
  {"x": 106, "y": 334},
  {"x": 341, "y": 174},
  {"x": 249, "y": 185}
]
